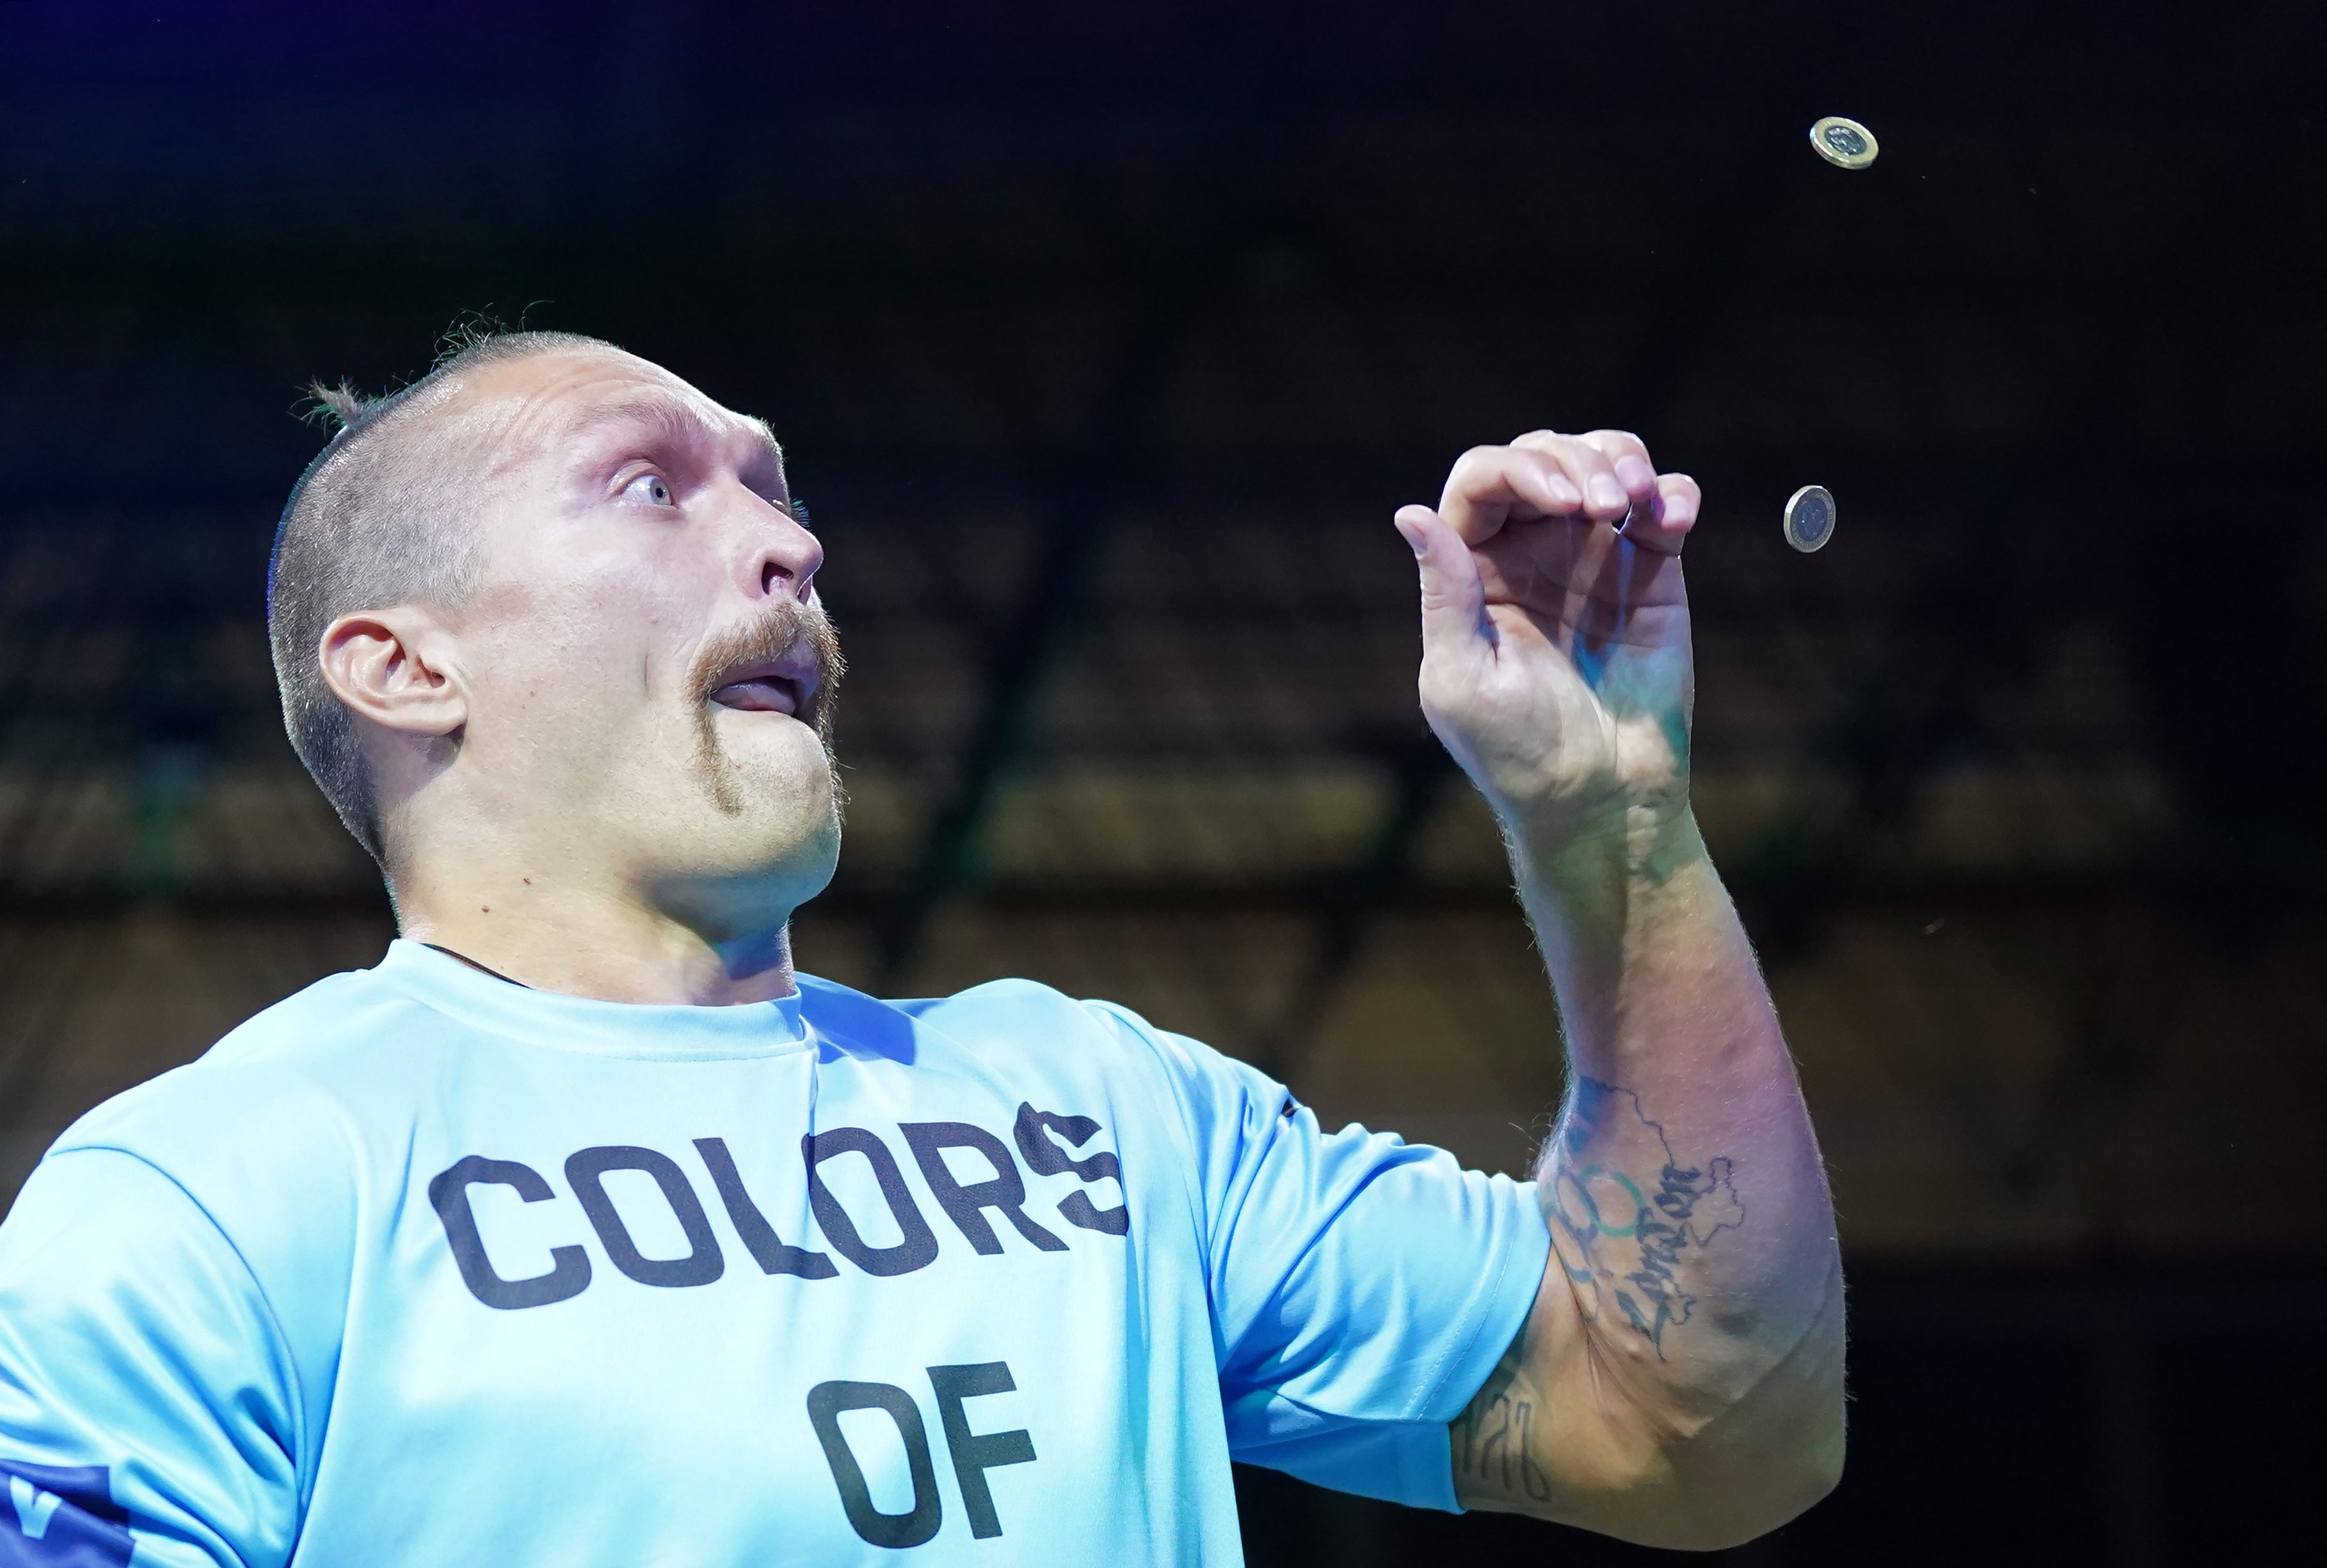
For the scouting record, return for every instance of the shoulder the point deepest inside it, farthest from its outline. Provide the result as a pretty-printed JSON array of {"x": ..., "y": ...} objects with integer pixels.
[
  {"x": 1016, "y": 1018},
  {"x": 273, "y": 1137},
  {"x": 338, "y": 1020},
  {"x": 291, "y": 1057},
  {"x": 1208, "y": 1093},
  {"x": 275, "y": 1112},
  {"x": 1026, "y": 1023}
]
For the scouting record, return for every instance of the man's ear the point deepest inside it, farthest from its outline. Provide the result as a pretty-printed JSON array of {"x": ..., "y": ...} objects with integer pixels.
[{"x": 394, "y": 667}]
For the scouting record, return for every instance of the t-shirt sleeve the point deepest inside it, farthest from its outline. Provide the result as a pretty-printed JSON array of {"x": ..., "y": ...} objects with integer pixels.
[
  {"x": 144, "y": 1385},
  {"x": 1362, "y": 1288}
]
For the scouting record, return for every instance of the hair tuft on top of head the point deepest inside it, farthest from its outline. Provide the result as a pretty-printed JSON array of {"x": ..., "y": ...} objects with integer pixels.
[
  {"x": 470, "y": 333},
  {"x": 342, "y": 404}
]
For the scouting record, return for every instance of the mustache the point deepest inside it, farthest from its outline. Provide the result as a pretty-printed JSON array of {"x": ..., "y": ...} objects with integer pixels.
[{"x": 776, "y": 633}]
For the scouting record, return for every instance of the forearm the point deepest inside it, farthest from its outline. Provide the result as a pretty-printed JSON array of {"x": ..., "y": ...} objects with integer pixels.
[
  {"x": 1687, "y": 1204},
  {"x": 1680, "y": 1379},
  {"x": 1681, "y": 1078}
]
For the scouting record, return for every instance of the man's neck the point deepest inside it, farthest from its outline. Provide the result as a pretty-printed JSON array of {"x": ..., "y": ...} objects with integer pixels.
[{"x": 608, "y": 949}]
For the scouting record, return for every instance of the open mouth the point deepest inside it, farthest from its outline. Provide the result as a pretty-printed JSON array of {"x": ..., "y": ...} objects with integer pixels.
[{"x": 767, "y": 686}]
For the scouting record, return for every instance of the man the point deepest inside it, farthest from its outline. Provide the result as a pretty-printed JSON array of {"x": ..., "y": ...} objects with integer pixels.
[{"x": 581, "y": 1230}]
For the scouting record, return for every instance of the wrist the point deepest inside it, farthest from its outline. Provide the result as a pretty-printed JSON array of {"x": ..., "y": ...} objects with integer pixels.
[
  {"x": 1624, "y": 846},
  {"x": 1645, "y": 838}
]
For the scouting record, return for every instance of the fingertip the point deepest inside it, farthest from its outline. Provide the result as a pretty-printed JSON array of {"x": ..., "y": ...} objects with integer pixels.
[
  {"x": 1680, "y": 496},
  {"x": 1415, "y": 525},
  {"x": 1655, "y": 522}
]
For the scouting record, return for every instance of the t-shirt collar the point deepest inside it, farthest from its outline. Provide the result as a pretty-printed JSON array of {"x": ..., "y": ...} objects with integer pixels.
[{"x": 581, "y": 1023}]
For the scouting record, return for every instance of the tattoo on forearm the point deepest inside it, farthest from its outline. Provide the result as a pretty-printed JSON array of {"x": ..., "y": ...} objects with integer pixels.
[
  {"x": 1621, "y": 1243},
  {"x": 1491, "y": 1450}
]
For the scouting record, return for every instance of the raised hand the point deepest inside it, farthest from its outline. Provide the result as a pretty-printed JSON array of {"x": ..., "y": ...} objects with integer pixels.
[{"x": 1554, "y": 648}]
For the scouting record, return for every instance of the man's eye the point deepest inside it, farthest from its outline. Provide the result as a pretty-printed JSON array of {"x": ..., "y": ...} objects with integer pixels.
[{"x": 650, "y": 487}]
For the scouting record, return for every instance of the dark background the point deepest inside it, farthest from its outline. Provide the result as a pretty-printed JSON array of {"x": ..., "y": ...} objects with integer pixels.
[{"x": 1105, "y": 340}]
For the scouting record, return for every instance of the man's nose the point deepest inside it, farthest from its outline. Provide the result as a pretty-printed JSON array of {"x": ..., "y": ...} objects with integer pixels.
[{"x": 784, "y": 556}]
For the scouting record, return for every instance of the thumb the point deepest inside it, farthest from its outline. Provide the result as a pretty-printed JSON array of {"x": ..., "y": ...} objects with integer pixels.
[{"x": 1454, "y": 600}]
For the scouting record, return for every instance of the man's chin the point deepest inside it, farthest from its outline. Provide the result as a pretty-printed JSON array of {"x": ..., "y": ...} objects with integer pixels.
[
  {"x": 742, "y": 884},
  {"x": 751, "y": 762}
]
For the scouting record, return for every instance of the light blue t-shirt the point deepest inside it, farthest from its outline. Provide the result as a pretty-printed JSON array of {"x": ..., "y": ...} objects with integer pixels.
[{"x": 420, "y": 1266}]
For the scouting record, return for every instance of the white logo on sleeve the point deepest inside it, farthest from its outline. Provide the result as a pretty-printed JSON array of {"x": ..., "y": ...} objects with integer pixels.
[{"x": 35, "y": 1508}]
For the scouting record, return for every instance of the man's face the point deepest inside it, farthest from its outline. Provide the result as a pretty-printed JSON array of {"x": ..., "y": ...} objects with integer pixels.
[{"x": 648, "y": 669}]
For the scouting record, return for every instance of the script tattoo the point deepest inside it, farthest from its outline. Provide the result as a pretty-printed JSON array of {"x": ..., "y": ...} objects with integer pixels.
[
  {"x": 1623, "y": 1242},
  {"x": 1491, "y": 1436}
]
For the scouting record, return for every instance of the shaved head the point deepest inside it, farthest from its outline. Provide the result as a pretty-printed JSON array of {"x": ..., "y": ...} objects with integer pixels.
[{"x": 387, "y": 514}]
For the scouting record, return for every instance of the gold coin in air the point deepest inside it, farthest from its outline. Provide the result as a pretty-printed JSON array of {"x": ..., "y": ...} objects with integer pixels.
[
  {"x": 1810, "y": 519},
  {"x": 1844, "y": 143}
]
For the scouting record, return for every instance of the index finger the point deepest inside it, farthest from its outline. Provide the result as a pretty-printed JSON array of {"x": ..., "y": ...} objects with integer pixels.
[
  {"x": 1628, "y": 455},
  {"x": 1490, "y": 485}
]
